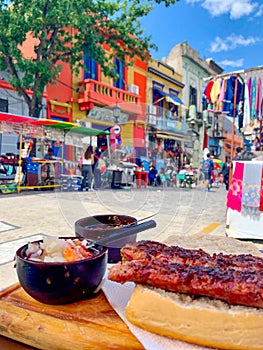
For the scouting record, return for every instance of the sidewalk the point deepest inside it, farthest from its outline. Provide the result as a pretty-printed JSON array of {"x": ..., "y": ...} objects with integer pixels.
[{"x": 28, "y": 215}]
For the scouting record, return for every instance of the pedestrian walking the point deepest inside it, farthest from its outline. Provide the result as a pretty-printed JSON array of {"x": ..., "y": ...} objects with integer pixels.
[
  {"x": 85, "y": 164},
  {"x": 207, "y": 169}
]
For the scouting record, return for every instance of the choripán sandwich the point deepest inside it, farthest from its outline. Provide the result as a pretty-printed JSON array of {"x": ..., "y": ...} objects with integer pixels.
[{"x": 210, "y": 299}]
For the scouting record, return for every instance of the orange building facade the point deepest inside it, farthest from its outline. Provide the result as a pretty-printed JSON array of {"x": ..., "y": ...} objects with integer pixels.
[{"x": 90, "y": 99}]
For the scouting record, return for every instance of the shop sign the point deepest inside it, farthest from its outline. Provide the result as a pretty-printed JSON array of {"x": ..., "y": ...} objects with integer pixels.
[
  {"x": 116, "y": 129},
  {"x": 105, "y": 114}
]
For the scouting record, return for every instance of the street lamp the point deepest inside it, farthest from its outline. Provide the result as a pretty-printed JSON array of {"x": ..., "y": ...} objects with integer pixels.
[{"x": 116, "y": 113}]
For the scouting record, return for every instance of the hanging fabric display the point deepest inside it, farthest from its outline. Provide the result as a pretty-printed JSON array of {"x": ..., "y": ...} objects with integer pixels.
[
  {"x": 228, "y": 108},
  {"x": 219, "y": 95},
  {"x": 215, "y": 92},
  {"x": 246, "y": 109},
  {"x": 253, "y": 100},
  {"x": 251, "y": 188},
  {"x": 234, "y": 195},
  {"x": 206, "y": 98},
  {"x": 259, "y": 99}
]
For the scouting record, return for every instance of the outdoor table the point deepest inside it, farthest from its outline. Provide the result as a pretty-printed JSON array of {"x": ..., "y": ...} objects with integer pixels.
[{"x": 55, "y": 327}]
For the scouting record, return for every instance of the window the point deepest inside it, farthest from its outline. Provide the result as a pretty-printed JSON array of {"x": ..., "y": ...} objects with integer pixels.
[
  {"x": 172, "y": 107},
  {"x": 119, "y": 70},
  {"x": 158, "y": 99},
  {"x": 192, "y": 96},
  {"x": 90, "y": 67},
  {"x": 8, "y": 143},
  {"x": 3, "y": 105}
]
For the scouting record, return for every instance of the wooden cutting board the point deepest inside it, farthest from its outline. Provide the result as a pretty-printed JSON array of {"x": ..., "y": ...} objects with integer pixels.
[{"x": 89, "y": 324}]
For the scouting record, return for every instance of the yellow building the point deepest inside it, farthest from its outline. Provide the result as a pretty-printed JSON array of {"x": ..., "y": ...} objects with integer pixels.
[{"x": 165, "y": 128}]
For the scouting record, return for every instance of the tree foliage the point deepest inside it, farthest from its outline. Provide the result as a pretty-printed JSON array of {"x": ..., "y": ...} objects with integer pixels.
[{"x": 62, "y": 30}]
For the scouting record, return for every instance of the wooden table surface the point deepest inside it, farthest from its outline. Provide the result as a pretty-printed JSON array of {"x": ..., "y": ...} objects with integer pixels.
[{"x": 88, "y": 324}]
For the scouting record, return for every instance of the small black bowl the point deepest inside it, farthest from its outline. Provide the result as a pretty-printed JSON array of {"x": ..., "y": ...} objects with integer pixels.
[
  {"x": 61, "y": 282},
  {"x": 100, "y": 226}
]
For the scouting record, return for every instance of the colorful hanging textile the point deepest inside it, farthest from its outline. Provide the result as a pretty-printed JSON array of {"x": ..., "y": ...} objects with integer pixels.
[
  {"x": 253, "y": 102},
  {"x": 246, "y": 112},
  {"x": 230, "y": 95},
  {"x": 251, "y": 188},
  {"x": 215, "y": 92},
  {"x": 208, "y": 91},
  {"x": 206, "y": 98},
  {"x": 261, "y": 192},
  {"x": 259, "y": 97},
  {"x": 234, "y": 195},
  {"x": 249, "y": 85},
  {"x": 221, "y": 96}
]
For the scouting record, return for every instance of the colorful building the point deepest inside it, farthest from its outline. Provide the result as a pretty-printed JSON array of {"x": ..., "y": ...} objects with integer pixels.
[
  {"x": 165, "y": 126},
  {"x": 195, "y": 71},
  {"x": 96, "y": 99}
]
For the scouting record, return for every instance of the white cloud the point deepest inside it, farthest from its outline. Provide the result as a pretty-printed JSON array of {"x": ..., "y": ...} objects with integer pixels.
[
  {"x": 235, "y": 64},
  {"x": 259, "y": 11},
  {"x": 235, "y": 8},
  {"x": 232, "y": 42}
]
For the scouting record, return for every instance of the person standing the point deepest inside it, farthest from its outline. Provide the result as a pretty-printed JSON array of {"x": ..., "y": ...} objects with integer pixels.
[
  {"x": 49, "y": 156},
  {"x": 152, "y": 175},
  {"x": 225, "y": 172},
  {"x": 238, "y": 156},
  {"x": 177, "y": 153},
  {"x": 97, "y": 165},
  {"x": 86, "y": 162},
  {"x": 207, "y": 169}
]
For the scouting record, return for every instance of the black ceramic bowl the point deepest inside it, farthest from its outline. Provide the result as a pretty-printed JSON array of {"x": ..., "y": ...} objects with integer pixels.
[
  {"x": 61, "y": 282},
  {"x": 100, "y": 226}
]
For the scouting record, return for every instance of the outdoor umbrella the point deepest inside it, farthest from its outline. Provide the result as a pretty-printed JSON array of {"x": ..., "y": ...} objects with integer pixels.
[{"x": 218, "y": 163}]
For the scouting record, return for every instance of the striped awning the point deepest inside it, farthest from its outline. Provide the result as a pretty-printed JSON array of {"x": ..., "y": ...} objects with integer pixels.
[
  {"x": 170, "y": 136},
  {"x": 169, "y": 97}
]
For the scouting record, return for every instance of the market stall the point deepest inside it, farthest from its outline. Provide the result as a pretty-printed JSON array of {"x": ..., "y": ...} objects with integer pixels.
[
  {"x": 25, "y": 130},
  {"x": 239, "y": 99},
  {"x": 245, "y": 201},
  {"x": 33, "y": 171}
]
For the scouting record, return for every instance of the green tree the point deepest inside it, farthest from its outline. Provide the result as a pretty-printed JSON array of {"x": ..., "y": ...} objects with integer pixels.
[{"x": 62, "y": 30}]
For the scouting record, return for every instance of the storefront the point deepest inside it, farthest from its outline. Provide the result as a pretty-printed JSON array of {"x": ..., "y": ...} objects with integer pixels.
[{"x": 34, "y": 138}]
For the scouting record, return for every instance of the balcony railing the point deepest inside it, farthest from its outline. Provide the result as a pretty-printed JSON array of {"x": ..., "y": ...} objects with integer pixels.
[
  {"x": 171, "y": 125},
  {"x": 95, "y": 92}
]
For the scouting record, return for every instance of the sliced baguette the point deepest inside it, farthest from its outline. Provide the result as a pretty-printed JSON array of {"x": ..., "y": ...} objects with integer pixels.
[{"x": 203, "y": 321}]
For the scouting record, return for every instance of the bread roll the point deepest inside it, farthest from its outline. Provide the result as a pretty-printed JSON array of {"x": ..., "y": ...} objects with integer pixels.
[
  {"x": 203, "y": 321},
  {"x": 199, "y": 320},
  {"x": 214, "y": 244}
]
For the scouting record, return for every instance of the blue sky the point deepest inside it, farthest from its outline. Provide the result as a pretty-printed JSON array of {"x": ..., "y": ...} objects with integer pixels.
[{"x": 228, "y": 31}]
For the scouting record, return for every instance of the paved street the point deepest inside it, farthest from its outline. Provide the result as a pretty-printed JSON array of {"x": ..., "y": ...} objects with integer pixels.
[{"x": 28, "y": 215}]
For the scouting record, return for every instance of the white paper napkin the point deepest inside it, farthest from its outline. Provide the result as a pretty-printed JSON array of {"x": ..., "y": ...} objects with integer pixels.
[{"x": 118, "y": 296}]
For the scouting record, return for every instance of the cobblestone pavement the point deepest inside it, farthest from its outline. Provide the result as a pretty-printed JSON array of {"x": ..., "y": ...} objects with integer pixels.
[{"x": 28, "y": 215}]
